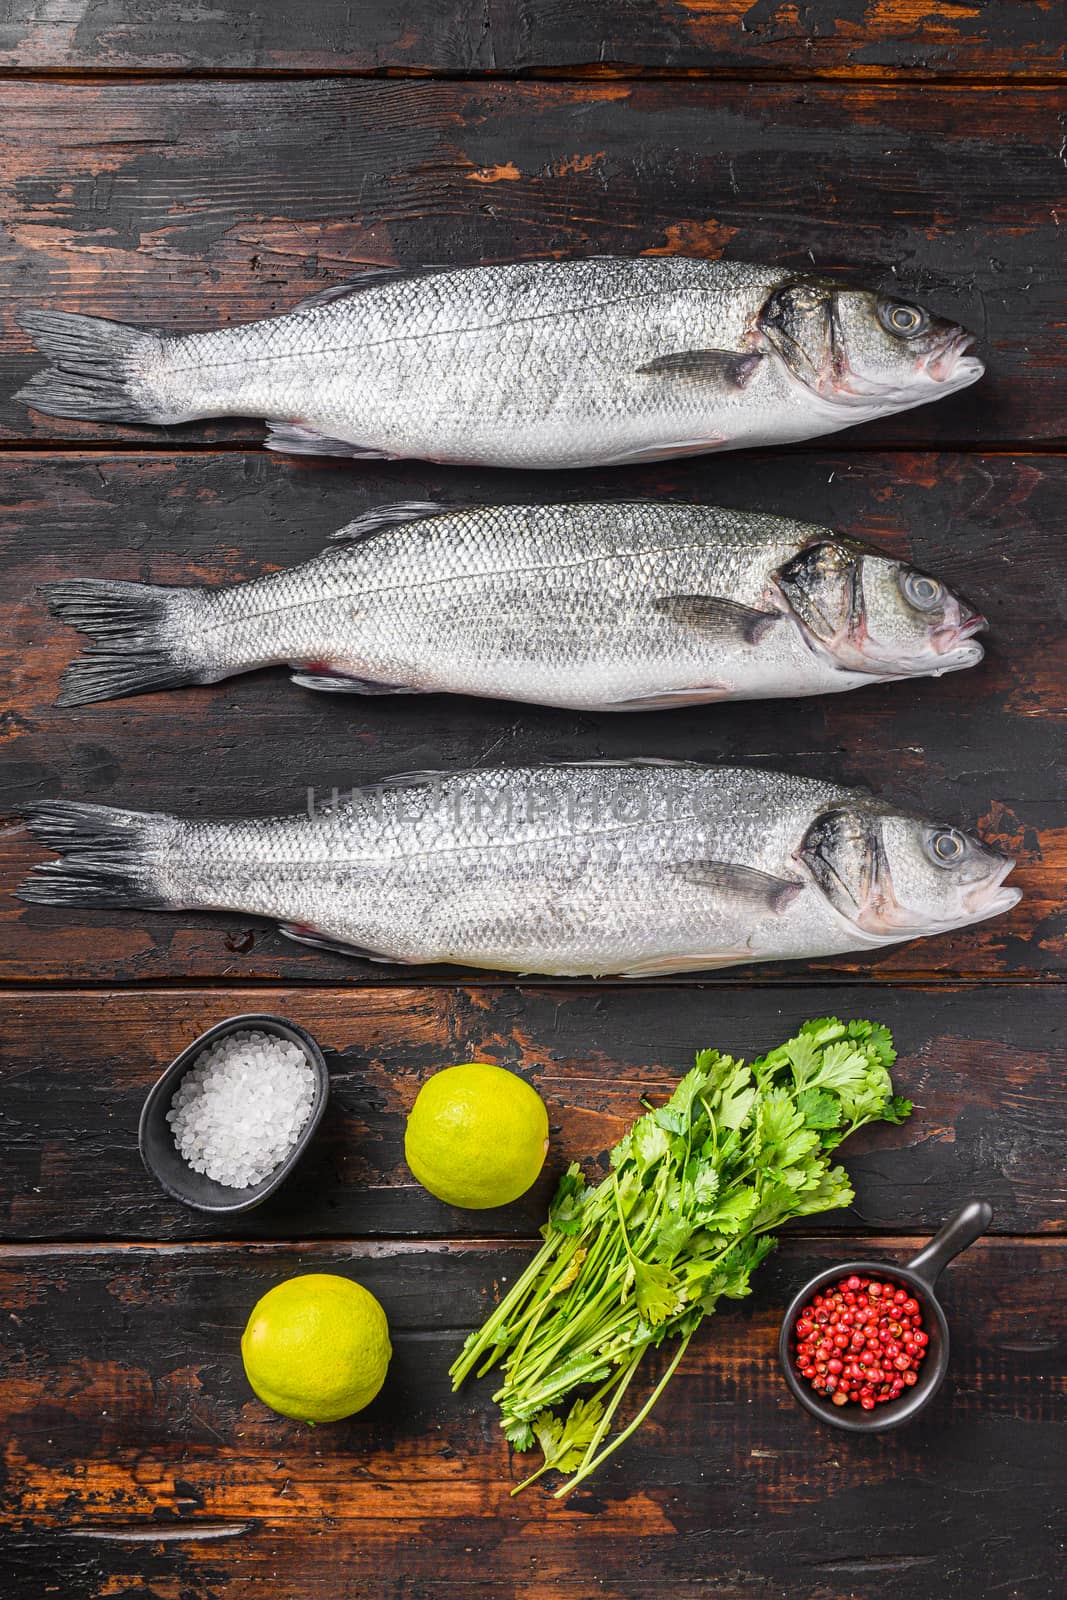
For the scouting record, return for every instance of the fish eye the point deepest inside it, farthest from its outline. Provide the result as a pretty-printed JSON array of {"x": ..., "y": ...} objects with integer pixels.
[
  {"x": 901, "y": 319},
  {"x": 947, "y": 847},
  {"x": 922, "y": 592}
]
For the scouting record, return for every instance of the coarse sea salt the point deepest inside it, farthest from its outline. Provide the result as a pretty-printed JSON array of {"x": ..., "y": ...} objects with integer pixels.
[{"x": 240, "y": 1108}]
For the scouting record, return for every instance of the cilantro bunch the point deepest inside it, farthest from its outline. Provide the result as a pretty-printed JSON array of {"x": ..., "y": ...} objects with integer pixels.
[{"x": 683, "y": 1219}]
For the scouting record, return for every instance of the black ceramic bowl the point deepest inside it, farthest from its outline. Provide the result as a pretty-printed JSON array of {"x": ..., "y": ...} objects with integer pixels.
[
  {"x": 160, "y": 1154},
  {"x": 921, "y": 1276}
]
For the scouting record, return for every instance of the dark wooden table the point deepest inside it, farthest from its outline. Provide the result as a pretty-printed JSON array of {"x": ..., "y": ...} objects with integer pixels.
[{"x": 188, "y": 165}]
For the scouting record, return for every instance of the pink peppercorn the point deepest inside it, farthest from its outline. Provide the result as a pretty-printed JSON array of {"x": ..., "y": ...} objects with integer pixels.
[{"x": 861, "y": 1341}]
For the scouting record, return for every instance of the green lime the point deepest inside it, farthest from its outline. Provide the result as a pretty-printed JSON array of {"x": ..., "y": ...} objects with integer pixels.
[
  {"x": 316, "y": 1347},
  {"x": 477, "y": 1136}
]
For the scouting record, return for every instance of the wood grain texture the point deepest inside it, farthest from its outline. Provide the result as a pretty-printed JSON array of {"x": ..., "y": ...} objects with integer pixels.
[
  {"x": 138, "y": 1462},
  {"x": 982, "y": 747},
  {"x": 196, "y": 204},
  {"x": 861, "y": 38},
  {"x": 986, "y": 1068}
]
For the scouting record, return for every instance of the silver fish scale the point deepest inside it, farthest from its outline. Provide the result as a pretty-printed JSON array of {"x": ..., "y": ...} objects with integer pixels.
[
  {"x": 523, "y": 364},
  {"x": 556, "y": 604},
  {"x": 570, "y": 870}
]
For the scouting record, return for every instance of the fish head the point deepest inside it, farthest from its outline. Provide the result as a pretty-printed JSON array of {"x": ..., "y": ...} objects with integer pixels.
[
  {"x": 855, "y": 348},
  {"x": 895, "y": 876},
  {"x": 876, "y": 615}
]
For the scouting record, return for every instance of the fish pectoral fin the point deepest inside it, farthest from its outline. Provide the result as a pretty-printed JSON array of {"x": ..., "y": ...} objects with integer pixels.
[
  {"x": 391, "y": 516},
  {"x": 715, "y": 615},
  {"x": 759, "y": 889},
  {"x": 303, "y": 933},
  {"x": 730, "y": 368},
  {"x": 344, "y": 683},
  {"x": 298, "y": 439},
  {"x": 664, "y": 966}
]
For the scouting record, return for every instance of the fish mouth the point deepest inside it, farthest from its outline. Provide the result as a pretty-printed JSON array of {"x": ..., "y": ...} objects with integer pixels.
[
  {"x": 951, "y": 363},
  {"x": 955, "y": 638},
  {"x": 998, "y": 902},
  {"x": 990, "y": 899},
  {"x": 958, "y": 657},
  {"x": 971, "y": 625},
  {"x": 949, "y": 648}
]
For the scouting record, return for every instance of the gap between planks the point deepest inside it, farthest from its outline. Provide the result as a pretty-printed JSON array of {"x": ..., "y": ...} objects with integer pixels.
[
  {"x": 11, "y": 988},
  {"x": 378, "y": 1246},
  {"x": 614, "y": 72}
]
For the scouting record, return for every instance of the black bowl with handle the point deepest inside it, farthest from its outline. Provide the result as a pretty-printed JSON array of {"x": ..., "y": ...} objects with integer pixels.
[
  {"x": 155, "y": 1136},
  {"x": 920, "y": 1276}
]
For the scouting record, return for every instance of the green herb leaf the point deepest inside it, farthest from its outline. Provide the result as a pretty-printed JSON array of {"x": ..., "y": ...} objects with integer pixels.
[
  {"x": 897, "y": 1109},
  {"x": 673, "y": 1235},
  {"x": 565, "y": 1212},
  {"x": 656, "y": 1291},
  {"x": 670, "y": 1119},
  {"x": 732, "y": 1212},
  {"x": 823, "y": 1030},
  {"x": 832, "y": 1190},
  {"x": 786, "y": 1139},
  {"x": 565, "y": 1443},
  {"x": 650, "y": 1143},
  {"x": 519, "y": 1434},
  {"x": 687, "y": 1091},
  {"x": 705, "y": 1183},
  {"x": 842, "y": 1066},
  {"x": 877, "y": 1038},
  {"x": 805, "y": 1057},
  {"x": 819, "y": 1109}
]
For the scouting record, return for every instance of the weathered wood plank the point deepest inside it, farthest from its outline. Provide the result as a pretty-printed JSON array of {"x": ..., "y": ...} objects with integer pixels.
[
  {"x": 868, "y": 38},
  {"x": 193, "y": 204},
  {"x": 983, "y": 746},
  {"x": 125, "y": 1413},
  {"x": 986, "y": 1068}
]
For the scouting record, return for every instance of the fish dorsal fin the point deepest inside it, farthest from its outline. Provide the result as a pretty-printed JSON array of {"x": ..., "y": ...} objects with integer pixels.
[
  {"x": 731, "y": 368},
  {"x": 401, "y": 780},
  {"x": 438, "y": 776},
  {"x": 715, "y": 615},
  {"x": 369, "y": 278},
  {"x": 631, "y": 761},
  {"x": 373, "y": 521}
]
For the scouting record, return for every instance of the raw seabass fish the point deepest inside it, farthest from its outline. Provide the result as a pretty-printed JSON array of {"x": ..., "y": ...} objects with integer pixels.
[
  {"x": 590, "y": 869},
  {"x": 526, "y": 364},
  {"x": 614, "y": 607}
]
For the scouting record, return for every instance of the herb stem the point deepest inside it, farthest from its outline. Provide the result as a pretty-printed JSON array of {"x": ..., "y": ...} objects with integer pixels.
[
  {"x": 605, "y": 1422},
  {"x": 589, "y": 1467}
]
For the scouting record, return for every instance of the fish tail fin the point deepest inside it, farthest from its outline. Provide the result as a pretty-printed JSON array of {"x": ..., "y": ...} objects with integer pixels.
[
  {"x": 109, "y": 857},
  {"x": 144, "y": 638},
  {"x": 101, "y": 371}
]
